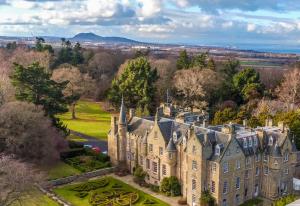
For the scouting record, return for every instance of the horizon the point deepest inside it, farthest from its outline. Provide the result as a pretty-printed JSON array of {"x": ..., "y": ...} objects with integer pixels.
[{"x": 188, "y": 22}]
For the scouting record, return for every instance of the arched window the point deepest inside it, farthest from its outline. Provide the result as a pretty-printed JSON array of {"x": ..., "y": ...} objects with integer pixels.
[
  {"x": 250, "y": 141},
  {"x": 194, "y": 184},
  {"x": 224, "y": 203},
  {"x": 286, "y": 156},
  {"x": 270, "y": 141},
  {"x": 245, "y": 143}
]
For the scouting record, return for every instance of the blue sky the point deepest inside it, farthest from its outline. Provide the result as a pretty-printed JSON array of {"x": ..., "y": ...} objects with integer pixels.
[{"x": 205, "y": 22}]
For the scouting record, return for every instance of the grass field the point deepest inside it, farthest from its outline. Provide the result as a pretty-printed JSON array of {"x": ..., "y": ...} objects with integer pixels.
[
  {"x": 66, "y": 193},
  {"x": 91, "y": 119},
  {"x": 37, "y": 198},
  {"x": 61, "y": 170}
]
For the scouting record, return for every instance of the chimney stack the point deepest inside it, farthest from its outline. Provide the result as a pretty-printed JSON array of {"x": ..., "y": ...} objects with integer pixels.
[
  {"x": 281, "y": 126},
  {"x": 269, "y": 122},
  {"x": 131, "y": 113},
  {"x": 205, "y": 123},
  {"x": 245, "y": 122}
]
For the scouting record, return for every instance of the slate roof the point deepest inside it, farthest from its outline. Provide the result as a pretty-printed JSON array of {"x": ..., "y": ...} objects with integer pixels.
[
  {"x": 214, "y": 134},
  {"x": 138, "y": 126}
]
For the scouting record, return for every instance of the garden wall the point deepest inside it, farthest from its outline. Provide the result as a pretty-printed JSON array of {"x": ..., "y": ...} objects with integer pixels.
[{"x": 83, "y": 176}]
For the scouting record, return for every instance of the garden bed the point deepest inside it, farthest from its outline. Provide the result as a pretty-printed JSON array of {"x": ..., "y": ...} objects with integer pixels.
[
  {"x": 106, "y": 191},
  {"x": 85, "y": 159}
]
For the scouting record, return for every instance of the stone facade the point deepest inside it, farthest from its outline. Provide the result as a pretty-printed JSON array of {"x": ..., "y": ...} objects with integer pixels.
[{"x": 234, "y": 162}]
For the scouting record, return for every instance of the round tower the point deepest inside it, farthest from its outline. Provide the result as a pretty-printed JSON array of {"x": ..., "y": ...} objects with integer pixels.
[
  {"x": 122, "y": 130},
  {"x": 171, "y": 153}
]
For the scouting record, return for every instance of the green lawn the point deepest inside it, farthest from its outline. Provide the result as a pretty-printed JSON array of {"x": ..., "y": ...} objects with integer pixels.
[
  {"x": 37, "y": 198},
  {"x": 68, "y": 194},
  {"x": 60, "y": 170},
  {"x": 91, "y": 119}
]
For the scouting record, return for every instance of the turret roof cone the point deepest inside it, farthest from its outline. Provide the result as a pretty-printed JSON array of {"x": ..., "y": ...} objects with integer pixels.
[
  {"x": 122, "y": 118},
  {"x": 171, "y": 146}
]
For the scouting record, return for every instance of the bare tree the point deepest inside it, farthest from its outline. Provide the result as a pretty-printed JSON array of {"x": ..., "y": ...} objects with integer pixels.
[
  {"x": 166, "y": 69},
  {"x": 79, "y": 84},
  {"x": 271, "y": 81},
  {"x": 27, "y": 57},
  {"x": 289, "y": 90},
  {"x": 270, "y": 107},
  {"x": 195, "y": 86},
  {"x": 29, "y": 134},
  {"x": 17, "y": 179}
]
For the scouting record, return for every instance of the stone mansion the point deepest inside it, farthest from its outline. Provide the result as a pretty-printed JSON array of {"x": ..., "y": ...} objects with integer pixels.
[{"x": 236, "y": 163}]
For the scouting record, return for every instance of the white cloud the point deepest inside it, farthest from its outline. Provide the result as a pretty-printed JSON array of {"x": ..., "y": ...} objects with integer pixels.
[
  {"x": 182, "y": 3},
  {"x": 149, "y": 8},
  {"x": 102, "y": 8},
  {"x": 251, "y": 27},
  {"x": 227, "y": 24},
  {"x": 22, "y": 4}
]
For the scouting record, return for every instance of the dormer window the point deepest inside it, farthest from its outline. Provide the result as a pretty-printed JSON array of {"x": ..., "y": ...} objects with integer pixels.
[
  {"x": 245, "y": 143},
  {"x": 255, "y": 141},
  {"x": 250, "y": 141},
  {"x": 175, "y": 136},
  {"x": 218, "y": 150},
  {"x": 184, "y": 140},
  {"x": 286, "y": 156},
  {"x": 270, "y": 141}
]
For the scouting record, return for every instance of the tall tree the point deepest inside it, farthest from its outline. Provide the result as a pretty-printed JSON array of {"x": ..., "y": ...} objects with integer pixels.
[
  {"x": 77, "y": 57},
  {"x": 41, "y": 46},
  {"x": 136, "y": 84},
  {"x": 211, "y": 64},
  {"x": 200, "y": 60},
  {"x": 184, "y": 61},
  {"x": 33, "y": 84},
  {"x": 248, "y": 84},
  {"x": 289, "y": 90},
  {"x": 79, "y": 84}
]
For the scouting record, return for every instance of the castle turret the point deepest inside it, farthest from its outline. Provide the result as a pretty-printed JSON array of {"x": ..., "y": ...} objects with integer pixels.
[
  {"x": 112, "y": 141},
  {"x": 122, "y": 130},
  {"x": 171, "y": 153}
]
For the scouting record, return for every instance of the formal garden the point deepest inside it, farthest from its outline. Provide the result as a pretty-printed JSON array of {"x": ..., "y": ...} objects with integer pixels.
[
  {"x": 105, "y": 191},
  {"x": 85, "y": 159}
]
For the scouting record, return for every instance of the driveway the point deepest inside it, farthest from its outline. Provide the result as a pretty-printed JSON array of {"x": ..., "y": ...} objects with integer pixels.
[{"x": 102, "y": 144}]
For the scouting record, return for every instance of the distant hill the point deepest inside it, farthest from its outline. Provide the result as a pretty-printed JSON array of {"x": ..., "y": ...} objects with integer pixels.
[{"x": 95, "y": 38}]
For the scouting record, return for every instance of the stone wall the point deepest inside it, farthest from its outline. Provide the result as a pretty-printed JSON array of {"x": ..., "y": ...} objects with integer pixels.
[{"x": 81, "y": 177}]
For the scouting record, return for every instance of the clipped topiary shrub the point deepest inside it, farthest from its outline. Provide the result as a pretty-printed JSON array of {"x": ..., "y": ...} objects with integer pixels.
[
  {"x": 92, "y": 185},
  {"x": 117, "y": 197},
  {"x": 150, "y": 202},
  {"x": 81, "y": 194}
]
